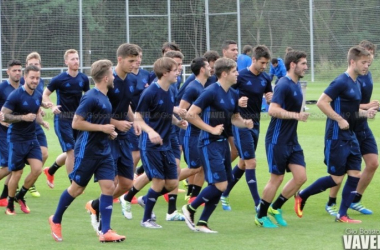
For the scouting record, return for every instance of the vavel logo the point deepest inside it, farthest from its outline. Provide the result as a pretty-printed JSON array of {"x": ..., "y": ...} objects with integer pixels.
[{"x": 361, "y": 239}]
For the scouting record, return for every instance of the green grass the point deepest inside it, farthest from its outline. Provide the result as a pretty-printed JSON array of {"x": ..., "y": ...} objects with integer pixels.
[{"x": 316, "y": 230}]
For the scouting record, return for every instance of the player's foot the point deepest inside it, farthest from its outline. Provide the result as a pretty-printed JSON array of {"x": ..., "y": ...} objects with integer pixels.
[
  {"x": 360, "y": 208},
  {"x": 3, "y": 202},
  {"x": 332, "y": 210},
  {"x": 33, "y": 191},
  {"x": 126, "y": 208},
  {"x": 56, "y": 230},
  {"x": 298, "y": 205},
  {"x": 116, "y": 200},
  {"x": 191, "y": 199},
  {"x": 150, "y": 224},
  {"x": 277, "y": 215},
  {"x": 346, "y": 219},
  {"x": 188, "y": 213},
  {"x": 24, "y": 208},
  {"x": 264, "y": 222},
  {"x": 225, "y": 203},
  {"x": 93, "y": 215},
  {"x": 141, "y": 202},
  {"x": 203, "y": 227},
  {"x": 10, "y": 211},
  {"x": 175, "y": 216},
  {"x": 111, "y": 236},
  {"x": 49, "y": 178}
]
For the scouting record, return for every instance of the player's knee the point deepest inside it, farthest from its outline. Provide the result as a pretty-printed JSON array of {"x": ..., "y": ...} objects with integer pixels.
[{"x": 300, "y": 180}]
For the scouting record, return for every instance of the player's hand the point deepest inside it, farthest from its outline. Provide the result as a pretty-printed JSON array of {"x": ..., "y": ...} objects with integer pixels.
[
  {"x": 28, "y": 117},
  {"x": 372, "y": 112},
  {"x": 42, "y": 113},
  {"x": 182, "y": 112},
  {"x": 182, "y": 124},
  {"x": 124, "y": 126},
  {"x": 47, "y": 105},
  {"x": 248, "y": 123},
  {"x": 243, "y": 102},
  {"x": 343, "y": 124},
  {"x": 302, "y": 116},
  {"x": 137, "y": 129},
  {"x": 56, "y": 109},
  {"x": 217, "y": 130},
  {"x": 108, "y": 129},
  {"x": 1, "y": 116},
  {"x": 5, "y": 124},
  {"x": 268, "y": 97},
  {"x": 374, "y": 104},
  {"x": 154, "y": 137},
  {"x": 113, "y": 135},
  {"x": 46, "y": 125}
]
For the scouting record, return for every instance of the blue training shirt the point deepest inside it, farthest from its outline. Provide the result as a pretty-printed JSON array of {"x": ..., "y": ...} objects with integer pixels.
[
  {"x": 366, "y": 88},
  {"x": 156, "y": 108},
  {"x": 252, "y": 86},
  {"x": 279, "y": 71},
  {"x": 217, "y": 106},
  {"x": 22, "y": 103},
  {"x": 95, "y": 108},
  {"x": 212, "y": 79},
  {"x": 288, "y": 95},
  {"x": 243, "y": 61},
  {"x": 346, "y": 98},
  {"x": 5, "y": 89},
  {"x": 138, "y": 82},
  {"x": 69, "y": 92}
]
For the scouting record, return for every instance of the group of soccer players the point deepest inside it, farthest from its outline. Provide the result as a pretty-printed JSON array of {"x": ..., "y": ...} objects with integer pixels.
[{"x": 213, "y": 117}]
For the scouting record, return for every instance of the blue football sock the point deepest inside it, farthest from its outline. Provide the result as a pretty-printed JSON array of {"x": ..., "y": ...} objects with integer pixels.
[
  {"x": 348, "y": 194},
  {"x": 209, "y": 208},
  {"x": 237, "y": 173},
  {"x": 317, "y": 187},
  {"x": 63, "y": 204},
  {"x": 205, "y": 196},
  {"x": 105, "y": 208},
  {"x": 250, "y": 176},
  {"x": 150, "y": 201}
]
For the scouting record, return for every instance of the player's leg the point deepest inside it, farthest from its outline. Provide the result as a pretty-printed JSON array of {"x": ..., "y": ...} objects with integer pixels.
[
  {"x": 4, "y": 171},
  {"x": 50, "y": 171}
]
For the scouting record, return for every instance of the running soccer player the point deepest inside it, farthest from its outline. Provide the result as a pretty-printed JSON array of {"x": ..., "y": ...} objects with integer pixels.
[
  {"x": 92, "y": 152},
  {"x": 367, "y": 143},
  {"x": 284, "y": 153},
  {"x": 218, "y": 104},
  {"x": 340, "y": 102},
  {"x": 22, "y": 110},
  {"x": 69, "y": 86},
  {"x": 252, "y": 84}
]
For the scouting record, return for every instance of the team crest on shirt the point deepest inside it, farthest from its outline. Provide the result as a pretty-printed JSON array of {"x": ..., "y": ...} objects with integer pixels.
[
  {"x": 295, "y": 93},
  {"x": 131, "y": 89},
  {"x": 216, "y": 176},
  {"x": 232, "y": 101},
  {"x": 172, "y": 98},
  {"x": 81, "y": 84},
  {"x": 364, "y": 84},
  {"x": 38, "y": 102},
  {"x": 263, "y": 82}
]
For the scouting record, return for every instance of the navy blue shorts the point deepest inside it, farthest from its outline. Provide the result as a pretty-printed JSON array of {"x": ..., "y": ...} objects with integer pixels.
[
  {"x": 103, "y": 168},
  {"x": 367, "y": 142},
  {"x": 191, "y": 151},
  {"x": 159, "y": 164},
  {"x": 20, "y": 152},
  {"x": 279, "y": 157},
  {"x": 181, "y": 136},
  {"x": 133, "y": 140},
  {"x": 246, "y": 142},
  {"x": 41, "y": 137},
  {"x": 4, "y": 152},
  {"x": 216, "y": 161},
  {"x": 122, "y": 156},
  {"x": 65, "y": 133},
  {"x": 175, "y": 145},
  {"x": 341, "y": 156}
]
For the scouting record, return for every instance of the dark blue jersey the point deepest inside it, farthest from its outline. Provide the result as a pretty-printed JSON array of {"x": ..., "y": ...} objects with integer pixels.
[
  {"x": 346, "y": 98},
  {"x": 95, "y": 108},
  {"x": 156, "y": 108},
  {"x": 40, "y": 86},
  {"x": 288, "y": 95},
  {"x": 366, "y": 88},
  {"x": 210, "y": 80},
  {"x": 137, "y": 83},
  {"x": 120, "y": 97},
  {"x": 5, "y": 89},
  {"x": 217, "y": 106},
  {"x": 22, "y": 103},
  {"x": 252, "y": 86},
  {"x": 192, "y": 92},
  {"x": 69, "y": 92}
]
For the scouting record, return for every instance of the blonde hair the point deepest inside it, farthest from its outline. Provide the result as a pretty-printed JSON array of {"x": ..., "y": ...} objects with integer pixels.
[
  {"x": 69, "y": 51},
  {"x": 33, "y": 55}
]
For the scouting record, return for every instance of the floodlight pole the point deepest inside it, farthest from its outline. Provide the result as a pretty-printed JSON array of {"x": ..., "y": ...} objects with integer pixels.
[
  {"x": 311, "y": 40},
  {"x": 207, "y": 16},
  {"x": 127, "y": 18},
  {"x": 238, "y": 25},
  {"x": 80, "y": 35}
]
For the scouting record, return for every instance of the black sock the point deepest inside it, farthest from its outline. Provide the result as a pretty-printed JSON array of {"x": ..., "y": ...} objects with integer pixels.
[
  {"x": 357, "y": 198},
  {"x": 53, "y": 168},
  {"x": 196, "y": 191},
  {"x": 202, "y": 223},
  {"x": 263, "y": 211},
  {"x": 21, "y": 193},
  {"x": 189, "y": 189},
  {"x": 172, "y": 203},
  {"x": 140, "y": 170},
  {"x": 164, "y": 191},
  {"x": 132, "y": 192},
  {"x": 332, "y": 200},
  {"x": 95, "y": 204},
  {"x": 279, "y": 202},
  {"x": 4, "y": 194},
  {"x": 11, "y": 204}
]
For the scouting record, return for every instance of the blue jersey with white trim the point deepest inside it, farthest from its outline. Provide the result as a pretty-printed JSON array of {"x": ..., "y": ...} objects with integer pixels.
[
  {"x": 137, "y": 83},
  {"x": 5, "y": 90},
  {"x": 192, "y": 92}
]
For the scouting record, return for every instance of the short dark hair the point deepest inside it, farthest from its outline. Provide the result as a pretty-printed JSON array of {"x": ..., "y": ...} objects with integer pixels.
[
  {"x": 356, "y": 52},
  {"x": 260, "y": 51},
  {"x": 174, "y": 54},
  {"x": 13, "y": 62},
  {"x": 197, "y": 64},
  {"x": 368, "y": 46},
  {"x": 247, "y": 49},
  {"x": 274, "y": 61},
  {"x": 223, "y": 65},
  {"x": 293, "y": 56},
  {"x": 171, "y": 46},
  {"x": 99, "y": 69},
  {"x": 211, "y": 55},
  {"x": 31, "y": 68},
  {"x": 227, "y": 43},
  {"x": 163, "y": 65},
  {"x": 127, "y": 49}
]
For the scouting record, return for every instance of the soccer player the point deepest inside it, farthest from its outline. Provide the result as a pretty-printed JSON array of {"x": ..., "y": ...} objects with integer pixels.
[
  {"x": 277, "y": 68},
  {"x": 284, "y": 153},
  {"x": 340, "y": 102},
  {"x": 219, "y": 107},
  {"x": 92, "y": 152},
  {"x": 154, "y": 116},
  {"x": 252, "y": 84},
  {"x": 14, "y": 71},
  {"x": 244, "y": 60},
  {"x": 367, "y": 143},
  {"x": 69, "y": 86},
  {"x": 22, "y": 110}
]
